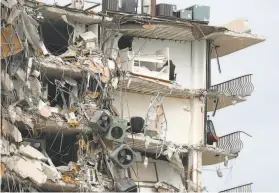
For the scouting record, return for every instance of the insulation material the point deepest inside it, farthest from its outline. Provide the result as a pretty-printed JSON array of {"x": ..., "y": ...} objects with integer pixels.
[{"x": 10, "y": 42}]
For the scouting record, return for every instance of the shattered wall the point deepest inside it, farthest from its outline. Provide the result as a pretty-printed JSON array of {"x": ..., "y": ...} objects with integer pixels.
[
  {"x": 183, "y": 62},
  {"x": 176, "y": 110},
  {"x": 60, "y": 128}
]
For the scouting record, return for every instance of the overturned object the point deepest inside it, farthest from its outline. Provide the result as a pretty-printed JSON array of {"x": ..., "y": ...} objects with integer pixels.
[
  {"x": 123, "y": 156},
  {"x": 126, "y": 185},
  {"x": 117, "y": 130},
  {"x": 100, "y": 121}
]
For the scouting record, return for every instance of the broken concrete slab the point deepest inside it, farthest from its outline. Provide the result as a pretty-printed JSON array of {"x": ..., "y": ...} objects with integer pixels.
[
  {"x": 12, "y": 131},
  {"x": 13, "y": 15},
  {"x": 20, "y": 74},
  {"x": 19, "y": 87},
  {"x": 44, "y": 109},
  {"x": 88, "y": 36},
  {"x": 4, "y": 146},
  {"x": 9, "y": 3},
  {"x": 31, "y": 152},
  {"x": 6, "y": 81},
  {"x": 35, "y": 86},
  {"x": 51, "y": 172},
  {"x": 27, "y": 168}
]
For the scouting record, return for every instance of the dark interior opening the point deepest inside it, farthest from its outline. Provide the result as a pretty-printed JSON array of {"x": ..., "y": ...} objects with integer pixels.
[
  {"x": 56, "y": 35},
  {"x": 125, "y": 42}
]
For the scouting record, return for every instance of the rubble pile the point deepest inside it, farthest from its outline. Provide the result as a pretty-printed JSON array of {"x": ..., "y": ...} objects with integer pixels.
[{"x": 60, "y": 131}]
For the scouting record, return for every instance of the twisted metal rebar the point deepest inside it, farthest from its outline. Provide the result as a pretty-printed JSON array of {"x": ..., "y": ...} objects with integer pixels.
[
  {"x": 231, "y": 143},
  {"x": 241, "y": 86},
  {"x": 242, "y": 188}
]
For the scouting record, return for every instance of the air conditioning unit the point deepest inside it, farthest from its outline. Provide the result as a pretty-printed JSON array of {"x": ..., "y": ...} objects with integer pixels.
[
  {"x": 112, "y": 5},
  {"x": 117, "y": 130},
  {"x": 100, "y": 121},
  {"x": 123, "y": 156},
  {"x": 129, "y": 6},
  {"x": 184, "y": 14},
  {"x": 200, "y": 13},
  {"x": 165, "y": 10}
]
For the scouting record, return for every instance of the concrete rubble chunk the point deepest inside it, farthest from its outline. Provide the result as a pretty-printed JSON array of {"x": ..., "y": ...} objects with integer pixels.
[
  {"x": 51, "y": 172},
  {"x": 44, "y": 109},
  {"x": 36, "y": 73},
  {"x": 19, "y": 87},
  {"x": 12, "y": 130},
  {"x": 20, "y": 74},
  {"x": 27, "y": 168},
  {"x": 9, "y": 3},
  {"x": 31, "y": 152},
  {"x": 12, "y": 113},
  {"x": 13, "y": 15},
  {"x": 88, "y": 36},
  {"x": 4, "y": 147},
  {"x": 35, "y": 86},
  {"x": 6, "y": 81}
]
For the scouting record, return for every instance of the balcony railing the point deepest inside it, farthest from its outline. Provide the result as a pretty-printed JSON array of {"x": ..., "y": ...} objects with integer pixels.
[
  {"x": 243, "y": 188},
  {"x": 231, "y": 143},
  {"x": 241, "y": 86}
]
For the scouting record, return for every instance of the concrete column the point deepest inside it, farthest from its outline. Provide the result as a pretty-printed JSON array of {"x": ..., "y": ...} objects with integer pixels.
[{"x": 196, "y": 134}]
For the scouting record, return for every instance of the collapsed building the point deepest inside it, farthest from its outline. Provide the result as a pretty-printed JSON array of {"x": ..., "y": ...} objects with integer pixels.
[{"x": 112, "y": 101}]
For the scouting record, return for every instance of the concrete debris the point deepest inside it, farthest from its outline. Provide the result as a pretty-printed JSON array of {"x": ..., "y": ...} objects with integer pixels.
[
  {"x": 51, "y": 172},
  {"x": 12, "y": 131},
  {"x": 44, "y": 109},
  {"x": 36, "y": 87},
  {"x": 20, "y": 75},
  {"x": 6, "y": 81},
  {"x": 54, "y": 83},
  {"x": 31, "y": 152},
  {"x": 19, "y": 88},
  {"x": 5, "y": 146},
  {"x": 30, "y": 30},
  {"x": 27, "y": 168},
  {"x": 88, "y": 36},
  {"x": 9, "y": 3},
  {"x": 36, "y": 73},
  {"x": 13, "y": 15}
]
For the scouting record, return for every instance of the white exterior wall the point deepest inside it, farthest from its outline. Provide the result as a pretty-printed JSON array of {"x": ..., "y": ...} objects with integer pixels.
[
  {"x": 190, "y": 61},
  {"x": 180, "y": 54},
  {"x": 178, "y": 120}
]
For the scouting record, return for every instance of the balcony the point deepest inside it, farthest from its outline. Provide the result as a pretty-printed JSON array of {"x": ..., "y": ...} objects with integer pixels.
[
  {"x": 231, "y": 143},
  {"x": 242, "y": 188},
  {"x": 230, "y": 92},
  {"x": 218, "y": 149}
]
